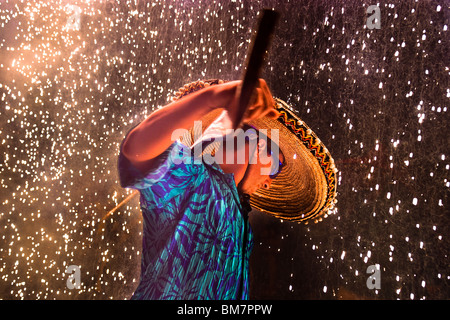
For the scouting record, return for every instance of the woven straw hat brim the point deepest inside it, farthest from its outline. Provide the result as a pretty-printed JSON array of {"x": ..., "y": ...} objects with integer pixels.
[{"x": 306, "y": 187}]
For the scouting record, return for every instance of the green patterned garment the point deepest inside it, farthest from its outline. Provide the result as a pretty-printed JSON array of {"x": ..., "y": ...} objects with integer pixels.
[{"x": 193, "y": 229}]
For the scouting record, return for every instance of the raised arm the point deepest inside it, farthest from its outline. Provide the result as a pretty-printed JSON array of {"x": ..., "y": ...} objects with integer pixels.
[{"x": 154, "y": 135}]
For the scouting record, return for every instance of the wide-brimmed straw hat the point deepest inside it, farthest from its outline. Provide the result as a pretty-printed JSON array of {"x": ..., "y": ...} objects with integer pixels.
[{"x": 305, "y": 189}]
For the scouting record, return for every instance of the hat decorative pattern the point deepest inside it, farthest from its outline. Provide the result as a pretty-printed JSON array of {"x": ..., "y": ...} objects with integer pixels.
[{"x": 320, "y": 152}]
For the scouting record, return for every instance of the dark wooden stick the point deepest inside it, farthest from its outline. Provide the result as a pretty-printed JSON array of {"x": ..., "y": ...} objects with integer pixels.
[{"x": 255, "y": 58}]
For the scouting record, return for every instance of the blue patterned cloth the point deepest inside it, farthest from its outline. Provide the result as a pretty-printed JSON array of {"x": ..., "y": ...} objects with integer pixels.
[{"x": 193, "y": 229}]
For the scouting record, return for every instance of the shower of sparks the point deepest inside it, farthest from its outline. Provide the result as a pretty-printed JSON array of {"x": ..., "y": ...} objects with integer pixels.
[
  {"x": 75, "y": 76},
  {"x": 60, "y": 137}
]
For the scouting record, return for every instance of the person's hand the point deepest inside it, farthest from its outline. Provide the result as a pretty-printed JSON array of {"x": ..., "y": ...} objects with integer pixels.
[{"x": 261, "y": 104}]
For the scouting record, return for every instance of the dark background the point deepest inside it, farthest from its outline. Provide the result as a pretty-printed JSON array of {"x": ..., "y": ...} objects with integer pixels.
[{"x": 377, "y": 98}]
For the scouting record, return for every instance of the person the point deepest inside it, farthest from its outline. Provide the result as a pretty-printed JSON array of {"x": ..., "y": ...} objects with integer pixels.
[{"x": 196, "y": 236}]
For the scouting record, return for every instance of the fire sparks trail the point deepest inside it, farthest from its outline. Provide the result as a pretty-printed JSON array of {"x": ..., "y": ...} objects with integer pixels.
[{"x": 128, "y": 198}]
